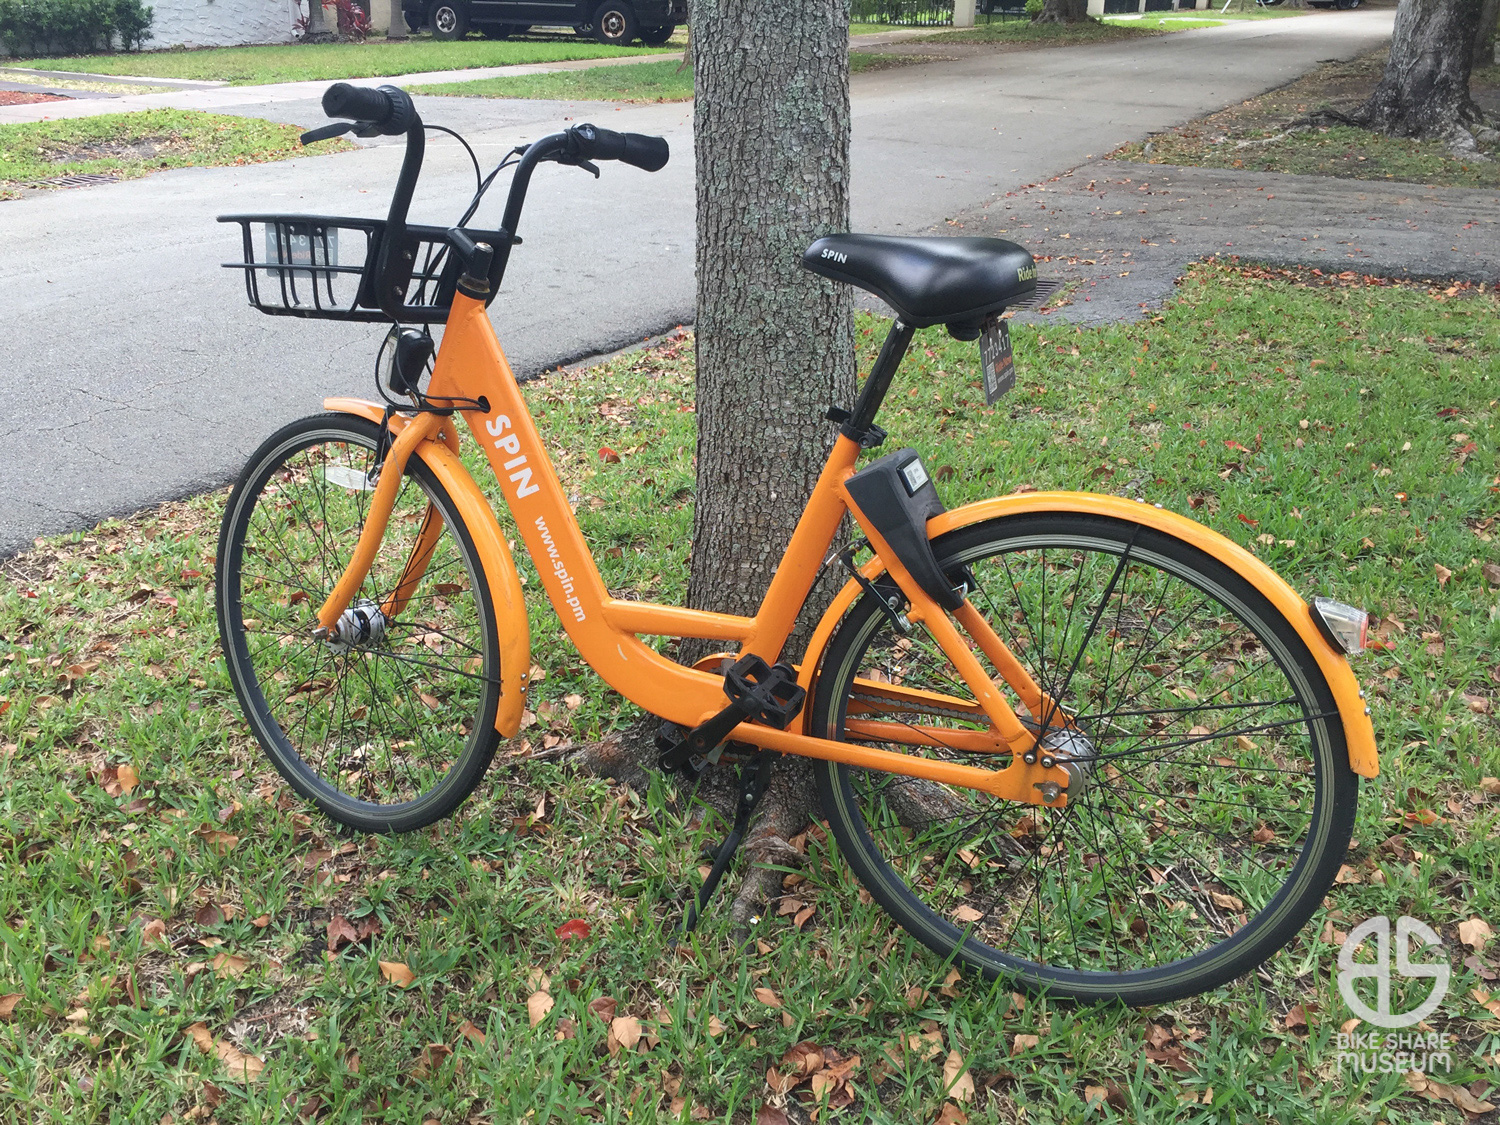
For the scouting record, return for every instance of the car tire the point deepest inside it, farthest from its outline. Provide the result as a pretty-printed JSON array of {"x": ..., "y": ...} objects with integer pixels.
[
  {"x": 449, "y": 19},
  {"x": 656, "y": 36},
  {"x": 615, "y": 24}
]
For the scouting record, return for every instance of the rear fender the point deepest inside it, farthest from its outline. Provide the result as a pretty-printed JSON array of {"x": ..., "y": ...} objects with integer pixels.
[
  {"x": 1359, "y": 733},
  {"x": 441, "y": 456}
]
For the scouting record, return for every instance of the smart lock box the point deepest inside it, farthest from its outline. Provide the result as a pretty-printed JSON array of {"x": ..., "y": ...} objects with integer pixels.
[{"x": 895, "y": 494}]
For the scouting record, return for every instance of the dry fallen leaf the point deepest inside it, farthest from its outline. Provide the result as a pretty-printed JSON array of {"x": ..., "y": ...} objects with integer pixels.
[
  {"x": 768, "y": 997},
  {"x": 1296, "y": 1018},
  {"x": 8, "y": 1004},
  {"x": 471, "y": 1033},
  {"x": 153, "y": 930},
  {"x": 238, "y": 1064},
  {"x": 624, "y": 1034},
  {"x": 538, "y": 1004},
  {"x": 341, "y": 932},
  {"x": 957, "y": 1080},
  {"x": 1474, "y": 933},
  {"x": 1023, "y": 1043},
  {"x": 1228, "y": 902},
  {"x": 966, "y": 915},
  {"x": 715, "y": 1026},
  {"x": 229, "y": 965},
  {"x": 127, "y": 779},
  {"x": 397, "y": 972},
  {"x": 430, "y": 1059},
  {"x": 1419, "y": 1083}
]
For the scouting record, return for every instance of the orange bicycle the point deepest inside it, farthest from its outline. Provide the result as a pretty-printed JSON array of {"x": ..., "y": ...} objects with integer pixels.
[{"x": 1071, "y": 739}]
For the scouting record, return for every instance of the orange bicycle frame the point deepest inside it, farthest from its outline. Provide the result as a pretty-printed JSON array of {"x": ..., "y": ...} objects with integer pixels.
[{"x": 607, "y": 631}]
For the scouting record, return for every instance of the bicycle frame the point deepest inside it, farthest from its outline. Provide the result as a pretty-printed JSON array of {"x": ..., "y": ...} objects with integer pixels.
[{"x": 471, "y": 365}]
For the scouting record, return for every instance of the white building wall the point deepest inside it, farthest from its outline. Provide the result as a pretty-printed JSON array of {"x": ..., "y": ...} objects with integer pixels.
[{"x": 220, "y": 23}]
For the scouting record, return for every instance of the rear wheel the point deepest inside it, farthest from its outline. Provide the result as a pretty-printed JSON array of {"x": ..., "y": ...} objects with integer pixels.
[
  {"x": 1212, "y": 799},
  {"x": 656, "y": 36},
  {"x": 449, "y": 19},
  {"x": 615, "y": 24},
  {"x": 389, "y": 725}
]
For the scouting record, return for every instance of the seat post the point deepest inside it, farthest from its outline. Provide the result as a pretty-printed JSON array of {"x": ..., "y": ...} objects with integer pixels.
[{"x": 879, "y": 380}]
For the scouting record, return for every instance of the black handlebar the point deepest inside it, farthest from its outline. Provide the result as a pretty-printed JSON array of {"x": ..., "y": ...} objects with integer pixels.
[
  {"x": 593, "y": 143},
  {"x": 387, "y": 109}
]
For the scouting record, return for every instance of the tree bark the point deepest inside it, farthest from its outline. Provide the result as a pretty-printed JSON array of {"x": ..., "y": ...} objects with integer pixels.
[
  {"x": 1484, "y": 41},
  {"x": 1425, "y": 90},
  {"x": 1063, "y": 11},
  {"x": 775, "y": 343}
]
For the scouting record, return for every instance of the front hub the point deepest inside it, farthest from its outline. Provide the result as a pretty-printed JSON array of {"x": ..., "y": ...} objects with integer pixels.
[{"x": 362, "y": 625}]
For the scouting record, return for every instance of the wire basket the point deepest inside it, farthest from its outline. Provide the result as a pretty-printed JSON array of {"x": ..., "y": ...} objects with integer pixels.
[{"x": 324, "y": 266}]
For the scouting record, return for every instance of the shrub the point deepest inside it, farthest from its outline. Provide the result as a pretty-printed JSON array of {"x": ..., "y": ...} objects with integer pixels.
[
  {"x": 1033, "y": 8},
  {"x": 36, "y": 27}
]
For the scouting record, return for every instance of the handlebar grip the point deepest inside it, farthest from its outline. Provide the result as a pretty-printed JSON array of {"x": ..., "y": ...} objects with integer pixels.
[
  {"x": 646, "y": 153},
  {"x": 388, "y": 108}
]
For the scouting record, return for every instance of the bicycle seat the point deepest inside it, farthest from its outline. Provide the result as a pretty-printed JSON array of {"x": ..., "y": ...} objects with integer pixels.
[{"x": 954, "y": 281}]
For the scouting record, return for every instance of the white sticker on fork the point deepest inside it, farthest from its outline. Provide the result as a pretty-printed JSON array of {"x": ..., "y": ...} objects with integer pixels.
[{"x": 353, "y": 479}]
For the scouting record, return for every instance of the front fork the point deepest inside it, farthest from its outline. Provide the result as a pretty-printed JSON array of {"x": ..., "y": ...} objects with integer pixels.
[{"x": 382, "y": 502}]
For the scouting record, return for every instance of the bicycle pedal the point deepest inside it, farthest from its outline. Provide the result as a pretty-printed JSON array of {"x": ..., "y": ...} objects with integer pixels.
[{"x": 767, "y": 693}]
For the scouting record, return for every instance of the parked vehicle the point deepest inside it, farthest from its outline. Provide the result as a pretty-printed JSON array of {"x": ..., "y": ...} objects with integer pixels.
[{"x": 614, "y": 22}]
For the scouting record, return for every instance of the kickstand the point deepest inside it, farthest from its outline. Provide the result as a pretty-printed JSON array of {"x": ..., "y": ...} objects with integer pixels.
[{"x": 753, "y": 781}]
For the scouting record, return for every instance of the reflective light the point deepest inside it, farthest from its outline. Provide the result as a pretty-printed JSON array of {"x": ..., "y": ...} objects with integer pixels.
[{"x": 1343, "y": 625}]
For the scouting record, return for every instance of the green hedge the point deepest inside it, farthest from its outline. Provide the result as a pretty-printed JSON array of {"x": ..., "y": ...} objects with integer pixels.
[{"x": 39, "y": 27}]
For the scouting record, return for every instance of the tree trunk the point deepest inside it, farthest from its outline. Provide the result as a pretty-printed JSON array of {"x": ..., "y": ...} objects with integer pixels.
[
  {"x": 775, "y": 343},
  {"x": 1484, "y": 41},
  {"x": 1425, "y": 90},
  {"x": 1064, "y": 11}
]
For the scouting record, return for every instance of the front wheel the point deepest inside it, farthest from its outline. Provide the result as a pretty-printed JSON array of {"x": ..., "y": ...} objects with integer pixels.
[
  {"x": 390, "y": 723},
  {"x": 1211, "y": 800},
  {"x": 449, "y": 19},
  {"x": 657, "y": 36},
  {"x": 615, "y": 24}
]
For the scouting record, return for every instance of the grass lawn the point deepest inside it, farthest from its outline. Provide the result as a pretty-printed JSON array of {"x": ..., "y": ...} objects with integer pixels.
[
  {"x": 166, "y": 902},
  {"x": 1214, "y": 141},
  {"x": 136, "y": 144},
  {"x": 638, "y": 82},
  {"x": 299, "y": 62}
]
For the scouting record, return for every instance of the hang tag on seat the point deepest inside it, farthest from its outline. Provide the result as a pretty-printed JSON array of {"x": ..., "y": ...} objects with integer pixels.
[{"x": 995, "y": 360}]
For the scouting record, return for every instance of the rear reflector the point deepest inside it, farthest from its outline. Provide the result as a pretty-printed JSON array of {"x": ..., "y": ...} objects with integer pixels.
[{"x": 1343, "y": 625}]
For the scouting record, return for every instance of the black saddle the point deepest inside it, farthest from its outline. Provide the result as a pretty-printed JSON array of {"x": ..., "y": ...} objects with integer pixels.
[{"x": 954, "y": 281}]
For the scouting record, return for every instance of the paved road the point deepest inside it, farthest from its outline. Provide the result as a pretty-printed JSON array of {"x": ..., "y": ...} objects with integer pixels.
[{"x": 133, "y": 371}]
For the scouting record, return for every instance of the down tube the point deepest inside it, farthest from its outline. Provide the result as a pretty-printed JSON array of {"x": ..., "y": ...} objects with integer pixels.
[{"x": 545, "y": 521}]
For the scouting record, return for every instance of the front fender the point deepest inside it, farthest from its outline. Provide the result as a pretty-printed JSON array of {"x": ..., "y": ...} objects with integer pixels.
[
  {"x": 1359, "y": 733},
  {"x": 511, "y": 626}
]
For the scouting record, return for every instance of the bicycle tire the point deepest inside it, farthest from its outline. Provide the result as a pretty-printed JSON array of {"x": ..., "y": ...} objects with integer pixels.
[
  {"x": 906, "y": 843},
  {"x": 388, "y": 708}
]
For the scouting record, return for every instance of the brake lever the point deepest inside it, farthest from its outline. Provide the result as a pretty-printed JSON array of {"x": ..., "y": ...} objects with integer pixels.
[
  {"x": 579, "y": 162},
  {"x": 323, "y": 133}
]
